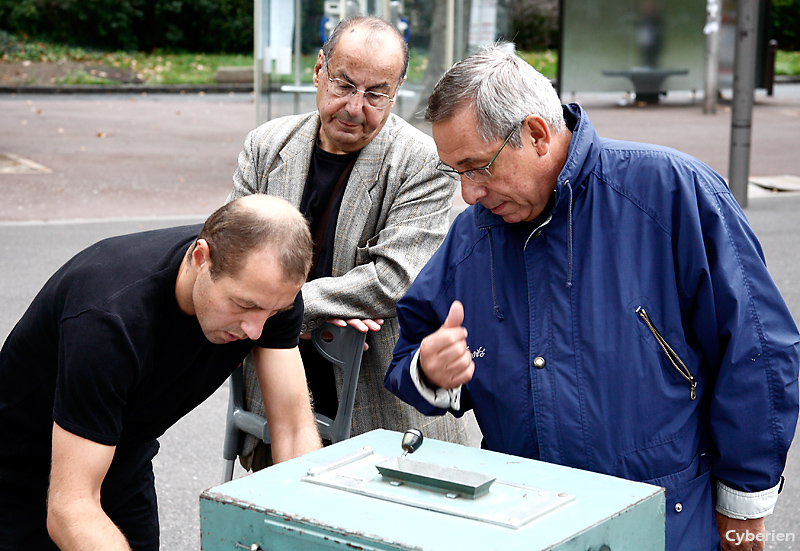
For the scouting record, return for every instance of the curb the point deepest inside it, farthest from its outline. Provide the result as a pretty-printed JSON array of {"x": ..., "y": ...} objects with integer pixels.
[
  {"x": 128, "y": 89},
  {"x": 228, "y": 88}
]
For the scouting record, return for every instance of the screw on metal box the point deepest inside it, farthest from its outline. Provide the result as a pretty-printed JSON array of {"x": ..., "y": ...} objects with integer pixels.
[{"x": 412, "y": 440}]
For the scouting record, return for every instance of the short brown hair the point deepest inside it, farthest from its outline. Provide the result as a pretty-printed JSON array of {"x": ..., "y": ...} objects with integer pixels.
[{"x": 253, "y": 223}]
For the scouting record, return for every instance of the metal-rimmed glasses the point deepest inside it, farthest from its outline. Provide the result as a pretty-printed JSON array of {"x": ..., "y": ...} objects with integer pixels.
[
  {"x": 477, "y": 175},
  {"x": 344, "y": 89}
]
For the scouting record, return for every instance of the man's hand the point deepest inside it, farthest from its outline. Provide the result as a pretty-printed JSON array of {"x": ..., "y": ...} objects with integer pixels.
[
  {"x": 362, "y": 325},
  {"x": 359, "y": 324},
  {"x": 444, "y": 358},
  {"x": 747, "y": 535}
]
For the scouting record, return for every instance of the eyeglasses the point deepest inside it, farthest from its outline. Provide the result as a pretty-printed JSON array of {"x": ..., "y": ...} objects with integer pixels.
[
  {"x": 344, "y": 89},
  {"x": 477, "y": 175}
]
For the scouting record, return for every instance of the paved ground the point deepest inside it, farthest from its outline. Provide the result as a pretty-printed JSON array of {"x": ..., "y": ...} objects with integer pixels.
[{"x": 105, "y": 165}]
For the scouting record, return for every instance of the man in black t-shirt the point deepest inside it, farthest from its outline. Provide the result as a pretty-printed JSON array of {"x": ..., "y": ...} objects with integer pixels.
[{"x": 126, "y": 338}]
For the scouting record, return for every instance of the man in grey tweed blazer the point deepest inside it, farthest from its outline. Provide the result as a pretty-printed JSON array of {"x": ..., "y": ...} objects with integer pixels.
[{"x": 393, "y": 211}]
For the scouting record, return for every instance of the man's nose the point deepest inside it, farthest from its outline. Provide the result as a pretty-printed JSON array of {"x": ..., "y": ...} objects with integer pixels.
[
  {"x": 355, "y": 103},
  {"x": 471, "y": 192},
  {"x": 253, "y": 325}
]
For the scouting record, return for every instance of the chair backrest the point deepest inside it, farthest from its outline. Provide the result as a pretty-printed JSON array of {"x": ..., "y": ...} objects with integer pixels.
[{"x": 343, "y": 347}]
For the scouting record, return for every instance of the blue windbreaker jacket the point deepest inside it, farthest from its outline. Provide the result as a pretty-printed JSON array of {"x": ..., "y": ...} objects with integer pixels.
[{"x": 564, "y": 320}]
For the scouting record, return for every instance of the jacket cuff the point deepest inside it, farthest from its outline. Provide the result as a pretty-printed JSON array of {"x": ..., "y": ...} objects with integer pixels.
[
  {"x": 438, "y": 397},
  {"x": 740, "y": 505}
]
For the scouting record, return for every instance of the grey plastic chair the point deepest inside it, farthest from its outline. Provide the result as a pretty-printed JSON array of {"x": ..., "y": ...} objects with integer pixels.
[{"x": 343, "y": 347}]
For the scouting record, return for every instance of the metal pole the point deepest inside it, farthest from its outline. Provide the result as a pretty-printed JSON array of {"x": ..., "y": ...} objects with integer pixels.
[
  {"x": 297, "y": 55},
  {"x": 258, "y": 60},
  {"x": 744, "y": 76},
  {"x": 450, "y": 32},
  {"x": 711, "y": 30},
  {"x": 458, "y": 49}
]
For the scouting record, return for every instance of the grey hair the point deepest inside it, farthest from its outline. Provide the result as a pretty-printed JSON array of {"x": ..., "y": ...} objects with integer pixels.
[
  {"x": 501, "y": 88},
  {"x": 372, "y": 23}
]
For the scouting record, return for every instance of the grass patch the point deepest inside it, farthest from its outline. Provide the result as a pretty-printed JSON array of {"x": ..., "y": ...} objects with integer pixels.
[
  {"x": 546, "y": 62},
  {"x": 163, "y": 67},
  {"x": 787, "y": 63},
  {"x": 83, "y": 77}
]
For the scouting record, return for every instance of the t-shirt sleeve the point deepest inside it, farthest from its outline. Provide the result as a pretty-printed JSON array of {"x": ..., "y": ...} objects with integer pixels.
[
  {"x": 283, "y": 329},
  {"x": 97, "y": 375}
]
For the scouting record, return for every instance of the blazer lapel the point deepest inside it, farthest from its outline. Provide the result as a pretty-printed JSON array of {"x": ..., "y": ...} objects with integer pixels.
[
  {"x": 287, "y": 177},
  {"x": 357, "y": 214}
]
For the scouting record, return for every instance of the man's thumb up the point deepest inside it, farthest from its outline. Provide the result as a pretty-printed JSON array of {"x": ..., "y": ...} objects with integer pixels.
[{"x": 455, "y": 317}]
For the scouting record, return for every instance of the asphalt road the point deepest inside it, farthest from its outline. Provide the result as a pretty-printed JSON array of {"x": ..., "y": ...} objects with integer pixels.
[{"x": 127, "y": 163}]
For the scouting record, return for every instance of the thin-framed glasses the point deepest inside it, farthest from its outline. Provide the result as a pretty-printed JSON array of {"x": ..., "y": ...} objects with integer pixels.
[
  {"x": 344, "y": 89},
  {"x": 477, "y": 175}
]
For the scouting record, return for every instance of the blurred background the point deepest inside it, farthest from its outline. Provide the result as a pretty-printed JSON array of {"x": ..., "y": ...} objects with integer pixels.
[{"x": 583, "y": 45}]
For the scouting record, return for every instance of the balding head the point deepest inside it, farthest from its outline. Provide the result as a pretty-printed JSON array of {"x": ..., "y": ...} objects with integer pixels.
[
  {"x": 255, "y": 223},
  {"x": 377, "y": 30}
]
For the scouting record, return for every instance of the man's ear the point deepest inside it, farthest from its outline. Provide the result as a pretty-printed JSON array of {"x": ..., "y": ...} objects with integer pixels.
[
  {"x": 318, "y": 68},
  {"x": 201, "y": 254},
  {"x": 539, "y": 135}
]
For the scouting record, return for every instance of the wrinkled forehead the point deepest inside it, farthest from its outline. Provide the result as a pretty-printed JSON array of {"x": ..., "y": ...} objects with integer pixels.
[
  {"x": 361, "y": 49},
  {"x": 457, "y": 138}
]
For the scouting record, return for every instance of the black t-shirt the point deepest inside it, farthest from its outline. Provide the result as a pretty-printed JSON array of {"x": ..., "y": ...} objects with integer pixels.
[
  {"x": 324, "y": 171},
  {"x": 105, "y": 351}
]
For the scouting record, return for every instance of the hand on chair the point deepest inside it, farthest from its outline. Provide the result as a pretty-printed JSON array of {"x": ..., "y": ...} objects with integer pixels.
[{"x": 359, "y": 324}]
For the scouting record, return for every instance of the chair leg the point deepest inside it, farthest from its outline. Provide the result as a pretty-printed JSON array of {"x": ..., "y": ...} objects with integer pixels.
[{"x": 227, "y": 471}]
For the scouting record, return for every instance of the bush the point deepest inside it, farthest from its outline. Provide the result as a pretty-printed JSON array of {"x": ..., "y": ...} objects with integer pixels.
[
  {"x": 786, "y": 24},
  {"x": 535, "y": 24},
  {"x": 194, "y": 25}
]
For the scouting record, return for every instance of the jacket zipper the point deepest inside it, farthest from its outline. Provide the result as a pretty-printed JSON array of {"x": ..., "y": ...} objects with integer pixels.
[{"x": 669, "y": 353}]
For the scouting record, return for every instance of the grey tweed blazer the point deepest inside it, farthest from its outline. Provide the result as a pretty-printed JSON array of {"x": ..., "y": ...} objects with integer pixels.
[{"x": 394, "y": 215}]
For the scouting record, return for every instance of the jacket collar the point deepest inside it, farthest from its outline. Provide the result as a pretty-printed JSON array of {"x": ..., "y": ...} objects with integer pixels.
[{"x": 583, "y": 152}]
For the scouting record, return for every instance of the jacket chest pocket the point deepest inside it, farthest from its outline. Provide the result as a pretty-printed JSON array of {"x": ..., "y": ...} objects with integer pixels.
[{"x": 672, "y": 358}]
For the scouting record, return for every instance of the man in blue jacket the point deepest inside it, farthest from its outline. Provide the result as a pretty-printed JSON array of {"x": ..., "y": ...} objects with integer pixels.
[{"x": 603, "y": 305}]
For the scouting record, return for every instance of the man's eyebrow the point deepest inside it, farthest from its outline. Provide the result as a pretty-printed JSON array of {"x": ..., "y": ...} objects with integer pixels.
[
  {"x": 470, "y": 161},
  {"x": 344, "y": 76}
]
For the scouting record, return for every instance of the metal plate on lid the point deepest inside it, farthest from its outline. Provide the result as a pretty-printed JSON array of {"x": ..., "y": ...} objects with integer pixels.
[
  {"x": 435, "y": 477},
  {"x": 503, "y": 503}
]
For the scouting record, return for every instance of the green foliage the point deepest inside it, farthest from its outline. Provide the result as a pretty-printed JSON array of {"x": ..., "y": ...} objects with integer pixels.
[
  {"x": 309, "y": 26},
  {"x": 83, "y": 77},
  {"x": 534, "y": 24},
  {"x": 13, "y": 49},
  {"x": 786, "y": 24},
  {"x": 546, "y": 62},
  {"x": 189, "y": 25},
  {"x": 787, "y": 63}
]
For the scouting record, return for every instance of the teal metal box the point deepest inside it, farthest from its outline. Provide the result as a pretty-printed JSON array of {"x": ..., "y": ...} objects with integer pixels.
[{"x": 335, "y": 498}]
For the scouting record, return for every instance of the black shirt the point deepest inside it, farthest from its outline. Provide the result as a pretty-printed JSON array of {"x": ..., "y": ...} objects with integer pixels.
[
  {"x": 105, "y": 351},
  {"x": 323, "y": 173}
]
